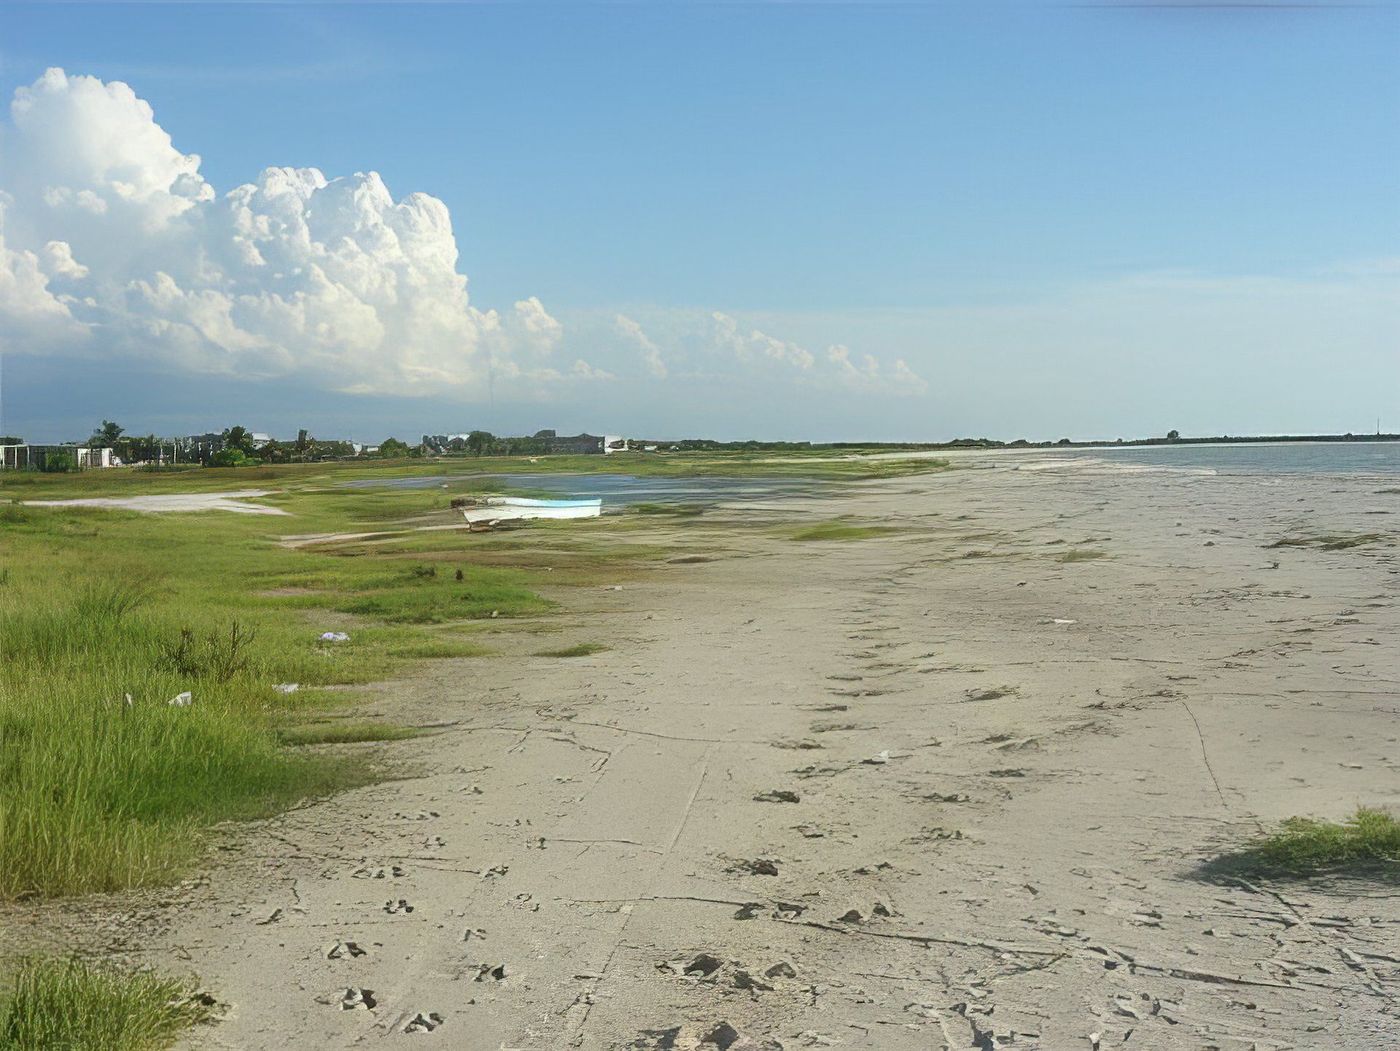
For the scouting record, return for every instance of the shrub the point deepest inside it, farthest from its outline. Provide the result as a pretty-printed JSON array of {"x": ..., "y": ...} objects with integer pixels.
[
  {"x": 219, "y": 655},
  {"x": 61, "y": 462},
  {"x": 229, "y": 458}
]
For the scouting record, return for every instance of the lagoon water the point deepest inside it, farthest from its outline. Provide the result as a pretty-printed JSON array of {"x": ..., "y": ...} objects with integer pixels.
[
  {"x": 615, "y": 489},
  {"x": 1376, "y": 457}
]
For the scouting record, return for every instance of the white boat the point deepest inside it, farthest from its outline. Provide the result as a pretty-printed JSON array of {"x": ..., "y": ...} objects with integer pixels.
[
  {"x": 521, "y": 501},
  {"x": 517, "y": 509}
]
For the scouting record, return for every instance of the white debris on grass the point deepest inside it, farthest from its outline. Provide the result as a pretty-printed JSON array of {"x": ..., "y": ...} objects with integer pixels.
[
  {"x": 334, "y": 636},
  {"x": 287, "y": 687},
  {"x": 182, "y": 700}
]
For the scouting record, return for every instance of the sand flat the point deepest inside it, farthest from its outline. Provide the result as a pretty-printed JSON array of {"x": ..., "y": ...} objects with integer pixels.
[
  {"x": 1009, "y": 766},
  {"x": 165, "y": 503}
]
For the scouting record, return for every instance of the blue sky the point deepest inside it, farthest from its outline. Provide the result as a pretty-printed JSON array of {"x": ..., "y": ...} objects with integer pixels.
[{"x": 1086, "y": 220}]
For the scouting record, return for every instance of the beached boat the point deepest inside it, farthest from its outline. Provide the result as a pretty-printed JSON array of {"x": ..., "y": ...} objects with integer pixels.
[
  {"x": 502, "y": 509},
  {"x": 521, "y": 501}
]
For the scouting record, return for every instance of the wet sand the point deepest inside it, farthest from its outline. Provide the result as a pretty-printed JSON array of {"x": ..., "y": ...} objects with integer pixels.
[{"x": 938, "y": 788}]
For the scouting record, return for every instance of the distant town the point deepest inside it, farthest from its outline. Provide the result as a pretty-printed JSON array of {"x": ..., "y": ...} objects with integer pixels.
[{"x": 110, "y": 445}]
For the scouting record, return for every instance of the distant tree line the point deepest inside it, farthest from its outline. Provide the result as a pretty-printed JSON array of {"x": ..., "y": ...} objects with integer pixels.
[{"x": 232, "y": 447}]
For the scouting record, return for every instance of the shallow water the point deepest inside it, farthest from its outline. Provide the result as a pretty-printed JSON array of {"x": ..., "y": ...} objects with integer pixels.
[
  {"x": 1272, "y": 458},
  {"x": 615, "y": 489}
]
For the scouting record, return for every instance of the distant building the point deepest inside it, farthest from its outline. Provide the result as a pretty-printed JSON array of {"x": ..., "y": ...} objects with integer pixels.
[
  {"x": 36, "y": 457},
  {"x": 198, "y": 448},
  {"x": 582, "y": 443}
]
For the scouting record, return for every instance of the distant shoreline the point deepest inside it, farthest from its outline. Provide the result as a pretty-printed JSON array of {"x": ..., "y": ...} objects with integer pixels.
[{"x": 709, "y": 444}]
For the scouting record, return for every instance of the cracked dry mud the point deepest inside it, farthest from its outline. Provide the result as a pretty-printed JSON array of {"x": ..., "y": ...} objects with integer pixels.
[{"x": 1063, "y": 743}]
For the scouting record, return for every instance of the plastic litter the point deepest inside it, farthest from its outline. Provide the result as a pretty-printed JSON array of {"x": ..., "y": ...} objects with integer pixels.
[
  {"x": 334, "y": 636},
  {"x": 287, "y": 687},
  {"x": 182, "y": 700}
]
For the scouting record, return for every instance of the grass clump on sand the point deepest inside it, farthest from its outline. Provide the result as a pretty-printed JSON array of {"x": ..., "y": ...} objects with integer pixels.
[
  {"x": 583, "y": 649},
  {"x": 671, "y": 510},
  {"x": 837, "y": 530},
  {"x": 67, "y": 1005},
  {"x": 1329, "y": 541},
  {"x": 343, "y": 733},
  {"x": 415, "y": 597},
  {"x": 1369, "y": 839},
  {"x": 1081, "y": 554}
]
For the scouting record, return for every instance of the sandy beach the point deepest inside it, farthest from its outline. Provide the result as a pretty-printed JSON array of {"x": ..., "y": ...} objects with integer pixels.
[{"x": 950, "y": 787}]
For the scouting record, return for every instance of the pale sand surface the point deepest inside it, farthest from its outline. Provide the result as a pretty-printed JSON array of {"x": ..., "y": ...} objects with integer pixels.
[
  {"x": 1024, "y": 867},
  {"x": 167, "y": 502}
]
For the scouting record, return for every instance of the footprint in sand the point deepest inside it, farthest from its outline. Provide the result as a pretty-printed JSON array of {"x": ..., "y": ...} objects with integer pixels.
[
  {"x": 355, "y": 999},
  {"x": 378, "y": 873},
  {"x": 777, "y": 796},
  {"x": 423, "y": 1023}
]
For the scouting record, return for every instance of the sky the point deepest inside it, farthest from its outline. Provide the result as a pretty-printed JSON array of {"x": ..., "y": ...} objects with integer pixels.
[{"x": 827, "y": 221}]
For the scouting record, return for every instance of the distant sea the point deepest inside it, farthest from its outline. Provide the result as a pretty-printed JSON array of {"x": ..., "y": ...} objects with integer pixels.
[{"x": 1243, "y": 458}]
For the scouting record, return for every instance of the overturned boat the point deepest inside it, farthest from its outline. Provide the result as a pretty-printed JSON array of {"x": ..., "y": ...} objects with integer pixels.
[{"x": 502, "y": 509}]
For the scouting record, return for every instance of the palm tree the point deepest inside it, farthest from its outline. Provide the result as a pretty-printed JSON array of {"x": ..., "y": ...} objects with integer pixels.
[{"x": 107, "y": 436}]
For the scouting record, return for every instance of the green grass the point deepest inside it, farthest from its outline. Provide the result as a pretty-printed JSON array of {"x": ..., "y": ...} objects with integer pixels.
[
  {"x": 837, "y": 530},
  {"x": 53, "y": 1005},
  {"x": 1369, "y": 841},
  {"x": 484, "y": 592},
  {"x": 583, "y": 649},
  {"x": 342, "y": 733},
  {"x": 1081, "y": 554},
  {"x": 99, "y": 794}
]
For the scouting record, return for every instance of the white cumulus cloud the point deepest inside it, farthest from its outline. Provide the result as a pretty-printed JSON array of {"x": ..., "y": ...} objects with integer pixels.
[
  {"x": 112, "y": 244},
  {"x": 112, "y": 241}
]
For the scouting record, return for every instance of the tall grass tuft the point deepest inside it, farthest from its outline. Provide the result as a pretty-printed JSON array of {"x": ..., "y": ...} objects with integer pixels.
[{"x": 55, "y": 1005}]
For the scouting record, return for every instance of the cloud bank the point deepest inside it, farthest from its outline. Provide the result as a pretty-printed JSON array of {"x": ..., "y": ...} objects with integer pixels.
[{"x": 113, "y": 244}]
